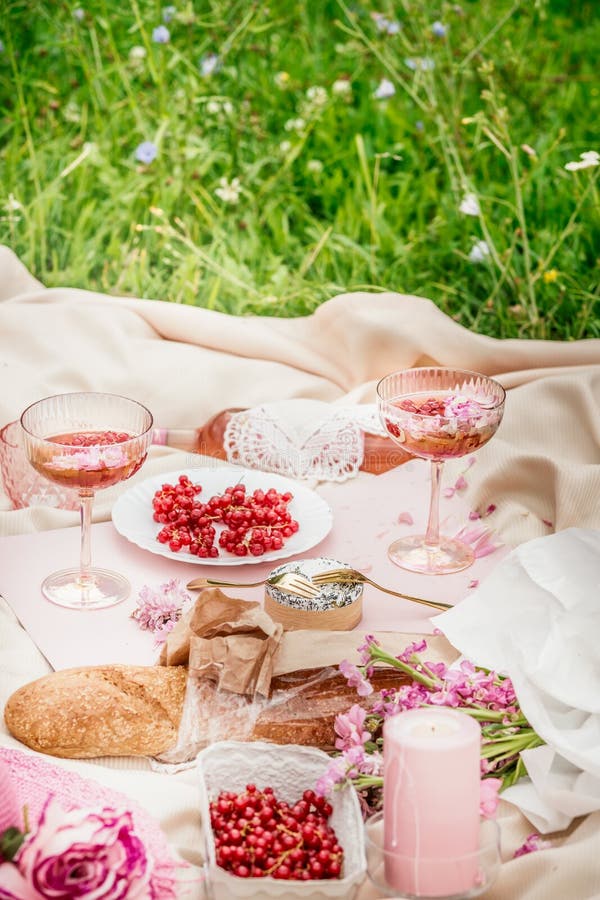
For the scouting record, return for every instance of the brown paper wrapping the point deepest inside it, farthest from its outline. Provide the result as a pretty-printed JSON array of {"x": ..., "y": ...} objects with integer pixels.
[{"x": 231, "y": 642}]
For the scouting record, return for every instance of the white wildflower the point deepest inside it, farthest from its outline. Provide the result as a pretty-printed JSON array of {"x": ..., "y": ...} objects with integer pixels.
[
  {"x": 228, "y": 191},
  {"x": 317, "y": 95},
  {"x": 341, "y": 87},
  {"x": 385, "y": 90},
  {"x": 422, "y": 63},
  {"x": 295, "y": 124},
  {"x": 12, "y": 204},
  {"x": 213, "y": 107},
  {"x": 439, "y": 29},
  {"x": 470, "y": 205},
  {"x": 385, "y": 25},
  {"x": 72, "y": 112},
  {"x": 137, "y": 54},
  {"x": 285, "y": 147},
  {"x": 315, "y": 166},
  {"x": 587, "y": 160},
  {"x": 209, "y": 64},
  {"x": 479, "y": 252}
]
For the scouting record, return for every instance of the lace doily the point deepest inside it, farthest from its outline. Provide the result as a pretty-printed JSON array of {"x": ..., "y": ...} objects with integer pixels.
[{"x": 302, "y": 438}]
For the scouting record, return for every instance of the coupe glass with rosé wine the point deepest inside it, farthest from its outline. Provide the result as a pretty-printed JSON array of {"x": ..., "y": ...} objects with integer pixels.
[
  {"x": 86, "y": 441},
  {"x": 438, "y": 414}
]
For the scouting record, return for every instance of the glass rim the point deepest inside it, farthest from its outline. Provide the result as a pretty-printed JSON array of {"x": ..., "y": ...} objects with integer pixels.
[
  {"x": 469, "y": 372},
  {"x": 134, "y": 437},
  {"x": 485, "y": 825}
]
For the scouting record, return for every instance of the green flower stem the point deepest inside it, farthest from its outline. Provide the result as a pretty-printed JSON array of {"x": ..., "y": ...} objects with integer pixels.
[
  {"x": 367, "y": 781},
  {"x": 523, "y": 741},
  {"x": 379, "y": 655}
]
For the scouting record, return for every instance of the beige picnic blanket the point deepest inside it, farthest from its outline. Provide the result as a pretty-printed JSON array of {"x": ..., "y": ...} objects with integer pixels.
[{"x": 186, "y": 364}]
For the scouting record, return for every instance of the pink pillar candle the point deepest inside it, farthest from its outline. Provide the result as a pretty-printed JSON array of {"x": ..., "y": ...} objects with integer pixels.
[{"x": 431, "y": 801}]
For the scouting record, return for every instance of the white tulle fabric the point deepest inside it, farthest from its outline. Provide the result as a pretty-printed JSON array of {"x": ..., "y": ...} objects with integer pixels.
[{"x": 302, "y": 438}]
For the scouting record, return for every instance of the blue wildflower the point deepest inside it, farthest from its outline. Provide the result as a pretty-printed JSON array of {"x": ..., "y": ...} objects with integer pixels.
[
  {"x": 168, "y": 14},
  {"x": 79, "y": 14},
  {"x": 439, "y": 29},
  {"x": 146, "y": 152},
  {"x": 161, "y": 35}
]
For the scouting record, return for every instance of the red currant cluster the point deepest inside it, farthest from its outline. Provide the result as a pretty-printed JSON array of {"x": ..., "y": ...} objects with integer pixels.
[
  {"x": 254, "y": 523},
  {"x": 256, "y": 835}
]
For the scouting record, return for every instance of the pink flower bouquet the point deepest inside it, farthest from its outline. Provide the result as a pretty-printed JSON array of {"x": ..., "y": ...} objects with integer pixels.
[{"x": 487, "y": 696}]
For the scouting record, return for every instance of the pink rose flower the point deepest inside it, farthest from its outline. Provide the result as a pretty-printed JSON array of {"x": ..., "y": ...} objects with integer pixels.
[{"x": 89, "y": 854}]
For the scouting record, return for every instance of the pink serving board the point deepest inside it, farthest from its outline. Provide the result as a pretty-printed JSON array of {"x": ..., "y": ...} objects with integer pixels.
[{"x": 365, "y": 521}]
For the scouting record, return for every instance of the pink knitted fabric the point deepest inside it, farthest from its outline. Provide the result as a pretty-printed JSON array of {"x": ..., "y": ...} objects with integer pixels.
[
  {"x": 11, "y": 813},
  {"x": 27, "y": 780}
]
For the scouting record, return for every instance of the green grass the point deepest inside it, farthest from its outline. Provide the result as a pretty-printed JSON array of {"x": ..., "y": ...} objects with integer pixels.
[{"x": 364, "y": 195}]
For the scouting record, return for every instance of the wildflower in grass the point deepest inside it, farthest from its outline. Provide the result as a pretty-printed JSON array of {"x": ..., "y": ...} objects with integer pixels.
[
  {"x": 228, "y": 191},
  {"x": 529, "y": 151},
  {"x": 285, "y": 147},
  {"x": 479, "y": 252},
  {"x": 420, "y": 63},
  {"x": 316, "y": 95},
  {"x": 168, "y": 14},
  {"x": 314, "y": 166},
  {"x": 72, "y": 112},
  {"x": 221, "y": 108},
  {"x": 210, "y": 64},
  {"x": 137, "y": 54},
  {"x": 439, "y": 30},
  {"x": 470, "y": 205},
  {"x": 419, "y": 125},
  {"x": 550, "y": 276},
  {"x": 161, "y": 35},
  {"x": 533, "y": 843},
  {"x": 282, "y": 80},
  {"x": 341, "y": 87},
  {"x": 297, "y": 124},
  {"x": 146, "y": 152},
  {"x": 587, "y": 160},
  {"x": 12, "y": 204},
  {"x": 384, "y": 90},
  {"x": 79, "y": 14},
  {"x": 385, "y": 25}
]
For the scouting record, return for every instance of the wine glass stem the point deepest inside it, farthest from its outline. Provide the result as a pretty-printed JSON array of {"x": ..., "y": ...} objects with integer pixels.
[
  {"x": 432, "y": 537},
  {"x": 86, "y": 499}
]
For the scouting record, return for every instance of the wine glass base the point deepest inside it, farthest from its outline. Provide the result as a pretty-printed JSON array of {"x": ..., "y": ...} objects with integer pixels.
[
  {"x": 414, "y": 555},
  {"x": 100, "y": 590}
]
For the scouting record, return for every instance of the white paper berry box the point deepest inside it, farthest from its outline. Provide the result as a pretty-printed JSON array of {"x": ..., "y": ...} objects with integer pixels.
[{"x": 289, "y": 770}]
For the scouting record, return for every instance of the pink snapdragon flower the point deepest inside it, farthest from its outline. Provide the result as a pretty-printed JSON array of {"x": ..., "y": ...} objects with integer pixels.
[
  {"x": 355, "y": 678},
  {"x": 350, "y": 729},
  {"x": 488, "y": 797}
]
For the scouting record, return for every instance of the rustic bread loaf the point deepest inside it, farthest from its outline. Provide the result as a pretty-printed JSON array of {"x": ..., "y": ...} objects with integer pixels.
[
  {"x": 136, "y": 710},
  {"x": 99, "y": 711},
  {"x": 308, "y": 716}
]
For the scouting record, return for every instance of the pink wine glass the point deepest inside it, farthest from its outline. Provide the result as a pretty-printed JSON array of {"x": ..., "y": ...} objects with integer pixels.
[
  {"x": 438, "y": 414},
  {"x": 86, "y": 441}
]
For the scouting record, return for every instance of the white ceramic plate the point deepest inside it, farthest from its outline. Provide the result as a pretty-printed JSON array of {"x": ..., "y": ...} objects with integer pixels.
[{"x": 132, "y": 513}]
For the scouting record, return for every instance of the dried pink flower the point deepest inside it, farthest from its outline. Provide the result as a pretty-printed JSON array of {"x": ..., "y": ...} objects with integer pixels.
[
  {"x": 405, "y": 518},
  {"x": 531, "y": 844}
]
